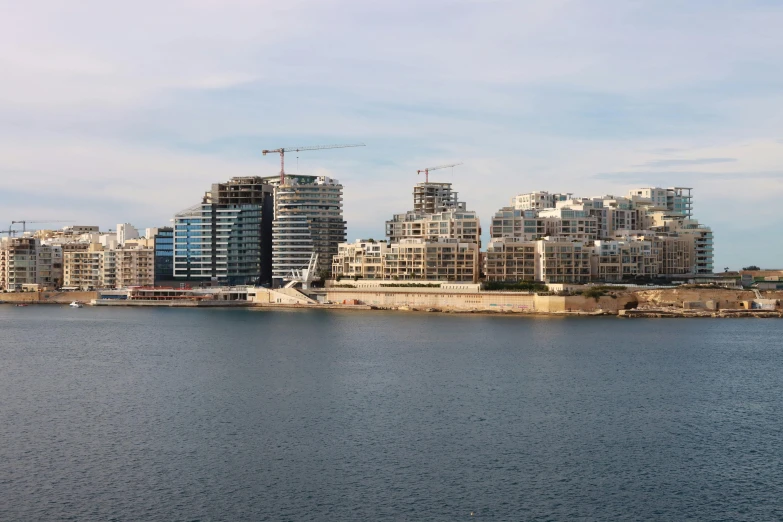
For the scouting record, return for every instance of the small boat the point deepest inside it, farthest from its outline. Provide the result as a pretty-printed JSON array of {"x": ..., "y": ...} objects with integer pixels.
[
  {"x": 21, "y": 304},
  {"x": 76, "y": 304}
]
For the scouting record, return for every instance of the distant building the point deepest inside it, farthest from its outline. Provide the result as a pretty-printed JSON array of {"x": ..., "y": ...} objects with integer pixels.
[
  {"x": 227, "y": 238},
  {"x": 126, "y": 232}
]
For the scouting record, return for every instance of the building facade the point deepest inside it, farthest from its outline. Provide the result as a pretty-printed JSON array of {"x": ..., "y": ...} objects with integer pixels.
[
  {"x": 164, "y": 254},
  {"x": 435, "y": 260},
  {"x": 134, "y": 266},
  {"x": 650, "y": 233},
  {"x": 362, "y": 259},
  {"x": 227, "y": 238},
  {"x": 308, "y": 220}
]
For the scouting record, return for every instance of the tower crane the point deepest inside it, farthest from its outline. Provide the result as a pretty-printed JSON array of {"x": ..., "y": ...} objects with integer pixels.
[
  {"x": 283, "y": 150},
  {"x": 25, "y": 222},
  {"x": 428, "y": 169},
  {"x": 10, "y": 232}
]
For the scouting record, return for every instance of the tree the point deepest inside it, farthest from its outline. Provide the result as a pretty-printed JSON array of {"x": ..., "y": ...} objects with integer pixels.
[{"x": 751, "y": 267}]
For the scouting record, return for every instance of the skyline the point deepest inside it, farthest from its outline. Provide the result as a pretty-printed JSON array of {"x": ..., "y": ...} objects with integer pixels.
[{"x": 110, "y": 115}]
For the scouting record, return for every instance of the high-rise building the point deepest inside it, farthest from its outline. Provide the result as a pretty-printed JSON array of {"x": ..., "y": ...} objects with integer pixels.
[
  {"x": 308, "y": 220},
  {"x": 227, "y": 238}
]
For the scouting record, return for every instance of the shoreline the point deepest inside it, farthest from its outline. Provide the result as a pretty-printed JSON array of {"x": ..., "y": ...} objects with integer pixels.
[{"x": 635, "y": 313}]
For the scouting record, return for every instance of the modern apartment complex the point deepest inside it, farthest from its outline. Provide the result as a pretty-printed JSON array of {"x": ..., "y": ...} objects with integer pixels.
[
  {"x": 650, "y": 233},
  {"x": 362, "y": 259},
  {"x": 439, "y": 240},
  {"x": 227, "y": 238},
  {"x": 308, "y": 219}
]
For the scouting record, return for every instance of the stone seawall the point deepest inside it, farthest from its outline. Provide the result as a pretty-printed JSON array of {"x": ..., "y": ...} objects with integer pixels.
[
  {"x": 479, "y": 301},
  {"x": 48, "y": 297}
]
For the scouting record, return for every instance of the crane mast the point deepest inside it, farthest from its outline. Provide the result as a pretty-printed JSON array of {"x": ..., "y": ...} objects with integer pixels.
[{"x": 283, "y": 150}]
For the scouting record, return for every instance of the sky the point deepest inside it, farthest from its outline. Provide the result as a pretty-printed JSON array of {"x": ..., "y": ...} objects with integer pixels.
[{"x": 114, "y": 112}]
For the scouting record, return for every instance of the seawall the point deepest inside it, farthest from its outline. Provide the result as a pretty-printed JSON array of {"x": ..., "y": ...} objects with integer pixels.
[{"x": 47, "y": 297}]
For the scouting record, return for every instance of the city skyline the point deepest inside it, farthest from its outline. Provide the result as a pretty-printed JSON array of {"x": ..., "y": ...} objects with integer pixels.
[{"x": 102, "y": 126}]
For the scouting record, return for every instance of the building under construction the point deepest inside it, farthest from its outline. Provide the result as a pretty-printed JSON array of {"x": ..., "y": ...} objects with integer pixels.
[{"x": 227, "y": 238}]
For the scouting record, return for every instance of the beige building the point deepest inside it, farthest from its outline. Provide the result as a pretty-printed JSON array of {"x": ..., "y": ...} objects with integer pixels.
[
  {"x": 361, "y": 259},
  {"x": 134, "y": 266},
  {"x": 83, "y": 267},
  {"x": 18, "y": 262},
  {"x": 97, "y": 267},
  {"x": 563, "y": 261},
  {"x": 510, "y": 259},
  {"x": 462, "y": 225},
  {"x": 619, "y": 260},
  {"x": 550, "y": 260},
  {"x": 439, "y": 260}
]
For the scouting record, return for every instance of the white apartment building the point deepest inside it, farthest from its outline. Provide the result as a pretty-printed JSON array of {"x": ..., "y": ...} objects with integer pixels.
[
  {"x": 308, "y": 220},
  {"x": 537, "y": 200},
  {"x": 125, "y": 232}
]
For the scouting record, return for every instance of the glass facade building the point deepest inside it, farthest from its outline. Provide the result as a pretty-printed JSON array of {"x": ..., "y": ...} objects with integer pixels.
[
  {"x": 228, "y": 237},
  {"x": 164, "y": 254}
]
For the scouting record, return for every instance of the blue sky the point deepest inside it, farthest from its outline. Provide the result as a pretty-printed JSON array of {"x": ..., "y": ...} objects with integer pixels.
[{"x": 126, "y": 112}]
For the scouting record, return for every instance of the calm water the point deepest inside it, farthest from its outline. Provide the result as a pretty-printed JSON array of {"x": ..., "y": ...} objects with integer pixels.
[{"x": 128, "y": 414}]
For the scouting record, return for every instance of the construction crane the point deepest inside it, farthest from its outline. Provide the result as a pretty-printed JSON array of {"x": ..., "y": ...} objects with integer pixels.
[
  {"x": 25, "y": 222},
  {"x": 428, "y": 169},
  {"x": 283, "y": 150},
  {"x": 10, "y": 232}
]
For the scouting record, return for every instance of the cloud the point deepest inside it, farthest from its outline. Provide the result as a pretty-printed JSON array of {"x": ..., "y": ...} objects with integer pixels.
[
  {"x": 647, "y": 176},
  {"x": 685, "y": 162}
]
